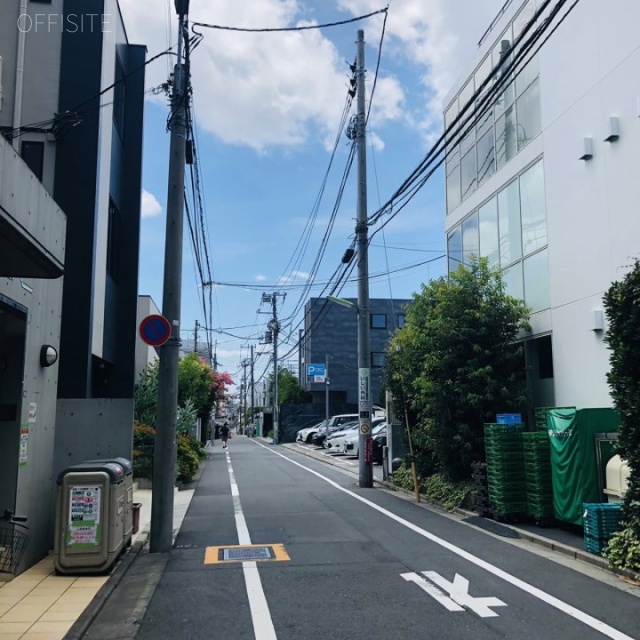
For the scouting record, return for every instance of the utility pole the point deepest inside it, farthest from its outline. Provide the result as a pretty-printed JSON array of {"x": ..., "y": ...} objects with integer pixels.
[
  {"x": 245, "y": 363},
  {"x": 253, "y": 417},
  {"x": 164, "y": 459},
  {"x": 365, "y": 462},
  {"x": 273, "y": 330},
  {"x": 195, "y": 341},
  {"x": 326, "y": 395}
]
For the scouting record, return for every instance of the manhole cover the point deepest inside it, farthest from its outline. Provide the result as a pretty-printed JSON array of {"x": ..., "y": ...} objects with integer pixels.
[{"x": 251, "y": 553}]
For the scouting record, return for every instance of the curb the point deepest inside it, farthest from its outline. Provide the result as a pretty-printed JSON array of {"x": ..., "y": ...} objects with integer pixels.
[
  {"x": 88, "y": 616},
  {"x": 571, "y": 552}
]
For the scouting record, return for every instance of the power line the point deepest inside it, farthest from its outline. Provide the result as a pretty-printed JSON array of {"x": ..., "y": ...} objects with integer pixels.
[{"x": 278, "y": 29}]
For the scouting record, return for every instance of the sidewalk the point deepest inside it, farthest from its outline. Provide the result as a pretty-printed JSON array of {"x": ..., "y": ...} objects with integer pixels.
[{"x": 38, "y": 605}]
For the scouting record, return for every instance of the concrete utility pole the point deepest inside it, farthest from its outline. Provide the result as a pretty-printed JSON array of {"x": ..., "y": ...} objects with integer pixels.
[
  {"x": 164, "y": 459},
  {"x": 365, "y": 463},
  {"x": 326, "y": 395},
  {"x": 245, "y": 363},
  {"x": 274, "y": 329},
  {"x": 195, "y": 338},
  {"x": 252, "y": 391}
]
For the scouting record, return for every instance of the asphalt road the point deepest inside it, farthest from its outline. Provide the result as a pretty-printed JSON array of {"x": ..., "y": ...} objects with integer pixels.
[{"x": 351, "y": 563}]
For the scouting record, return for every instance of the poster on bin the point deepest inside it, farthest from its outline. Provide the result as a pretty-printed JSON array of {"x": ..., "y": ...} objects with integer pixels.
[{"x": 84, "y": 528}]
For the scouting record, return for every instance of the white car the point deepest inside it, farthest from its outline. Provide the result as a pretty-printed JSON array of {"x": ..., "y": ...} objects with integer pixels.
[
  {"x": 304, "y": 435},
  {"x": 351, "y": 443},
  {"x": 333, "y": 443}
]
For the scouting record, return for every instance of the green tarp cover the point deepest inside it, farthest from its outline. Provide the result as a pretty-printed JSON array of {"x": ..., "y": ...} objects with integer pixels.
[{"x": 574, "y": 465}]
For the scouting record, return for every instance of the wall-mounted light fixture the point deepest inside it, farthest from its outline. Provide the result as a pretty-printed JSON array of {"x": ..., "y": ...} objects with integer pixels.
[
  {"x": 48, "y": 355},
  {"x": 587, "y": 148},
  {"x": 597, "y": 320},
  {"x": 613, "y": 129}
]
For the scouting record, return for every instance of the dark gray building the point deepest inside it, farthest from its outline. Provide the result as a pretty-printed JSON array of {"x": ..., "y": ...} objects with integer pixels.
[
  {"x": 331, "y": 333},
  {"x": 72, "y": 106}
]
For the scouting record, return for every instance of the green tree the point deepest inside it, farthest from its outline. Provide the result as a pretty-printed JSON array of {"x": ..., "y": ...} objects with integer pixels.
[
  {"x": 146, "y": 395},
  {"x": 455, "y": 364},
  {"x": 194, "y": 383},
  {"x": 289, "y": 389},
  {"x": 622, "y": 306}
]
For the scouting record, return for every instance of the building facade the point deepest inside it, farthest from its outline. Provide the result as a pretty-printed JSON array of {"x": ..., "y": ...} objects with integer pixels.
[
  {"x": 542, "y": 181},
  {"x": 72, "y": 107},
  {"x": 331, "y": 335}
]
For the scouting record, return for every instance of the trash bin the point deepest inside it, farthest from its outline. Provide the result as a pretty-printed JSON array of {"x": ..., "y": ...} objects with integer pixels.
[
  {"x": 90, "y": 508},
  {"x": 127, "y": 469}
]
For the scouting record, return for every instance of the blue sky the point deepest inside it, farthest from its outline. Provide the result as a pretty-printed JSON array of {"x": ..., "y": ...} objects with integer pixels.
[{"x": 267, "y": 110}]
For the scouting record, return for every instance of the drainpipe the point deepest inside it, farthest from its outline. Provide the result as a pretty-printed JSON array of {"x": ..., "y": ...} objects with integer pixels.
[{"x": 17, "y": 101}]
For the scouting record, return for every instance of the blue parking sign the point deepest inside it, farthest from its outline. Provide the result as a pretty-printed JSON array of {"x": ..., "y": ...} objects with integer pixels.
[{"x": 316, "y": 373}]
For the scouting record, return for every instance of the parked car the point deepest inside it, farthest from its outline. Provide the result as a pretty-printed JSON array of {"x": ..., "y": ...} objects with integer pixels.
[
  {"x": 305, "y": 435},
  {"x": 333, "y": 443},
  {"x": 318, "y": 438},
  {"x": 379, "y": 442},
  {"x": 351, "y": 443}
]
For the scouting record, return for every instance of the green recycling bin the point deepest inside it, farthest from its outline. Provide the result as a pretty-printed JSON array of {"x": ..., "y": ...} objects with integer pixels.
[
  {"x": 127, "y": 468},
  {"x": 90, "y": 510}
]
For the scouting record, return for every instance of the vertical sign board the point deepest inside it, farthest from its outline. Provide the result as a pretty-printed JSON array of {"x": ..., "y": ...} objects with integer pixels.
[
  {"x": 84, "y": 530},
  {"x": 364, "y": 400},
  {"x": 316, "y": 373}
]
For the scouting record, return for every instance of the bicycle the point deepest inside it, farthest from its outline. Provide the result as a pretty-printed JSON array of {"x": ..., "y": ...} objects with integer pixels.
[{"x": 14, "y": 537}]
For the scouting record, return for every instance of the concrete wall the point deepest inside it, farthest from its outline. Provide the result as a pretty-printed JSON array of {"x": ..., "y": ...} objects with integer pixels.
[
  {"x": 31, "y": 318},
  {"x": 89, "y": 429}
]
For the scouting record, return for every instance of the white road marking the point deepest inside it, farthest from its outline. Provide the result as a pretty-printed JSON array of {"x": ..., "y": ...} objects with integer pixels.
[
  {"x": 260, "y": 615},
  {"x": 562, "y": 606},
  {"x": 458, "y": 590},
  {"x": 432, "y": 590}
]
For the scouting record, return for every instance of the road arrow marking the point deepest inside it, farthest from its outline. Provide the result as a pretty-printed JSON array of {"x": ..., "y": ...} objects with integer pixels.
[
  {"x": 459, "y": 592},
  {"x": 432, "y": 590}
]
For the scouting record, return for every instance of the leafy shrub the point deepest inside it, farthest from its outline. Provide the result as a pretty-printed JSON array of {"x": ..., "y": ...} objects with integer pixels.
[
  {"x": 450, "y": 495},
  {"x": 143, "y": 440},
  {"x": 188, "y": 460},
  {"x": 623, "y": 550},
  {"x": 403, "y": 478}
]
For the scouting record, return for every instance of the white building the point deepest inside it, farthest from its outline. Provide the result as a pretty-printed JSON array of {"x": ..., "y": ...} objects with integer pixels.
[{"x": 546, "y": 184}]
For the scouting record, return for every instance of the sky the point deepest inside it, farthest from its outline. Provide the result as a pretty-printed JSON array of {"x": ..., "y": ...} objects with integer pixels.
[{"x": 267, "y": 111}]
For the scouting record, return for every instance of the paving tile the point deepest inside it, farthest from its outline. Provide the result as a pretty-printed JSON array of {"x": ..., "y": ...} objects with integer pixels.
[
  {"x": 14, "y": 627},
  {"x": 47, "y": 635},
  {"x": 84, "y": 583},
  {"x": 24, "y": 612},
  {"x": 64, "y": 607},
  {"x": 58, "y": 616},
  {"x": 51, "y": 627},
  {"x": 11, "y": 636}
]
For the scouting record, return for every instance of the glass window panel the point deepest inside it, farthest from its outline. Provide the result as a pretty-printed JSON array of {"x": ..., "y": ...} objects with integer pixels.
[
  {"x": 513, "y": 281},
  {"x": 470, "y": 239},
  {"x": 486, "y": 156},
  {"x": 483, "y": 73},
  {"x": 466, "y": 96},
  {"x": 501, "y": 60},
  {"x": 527, "y": 75},
  {"x": 453, "y": 188},
  {"x": 451, "y": 113},
  {"x": 485, "y": 119},
  {"x": 536, "y": 281},
  {"x": 522, "y": 19},
  {"x": 454, "y": 249},
  {"x": 533, "y": 210},
  {"x": 401, "y": 319},
  {"x": 453, "y": 152},
  {"x": 377, "y": 359},
  {"x": 378, "y": 321},
  {"x": 488, "y": 231},
  {"x": 468, "y": 174},
  {"x": 529, "y": 118},
  {"x": 506, "y": 141},
  {"x": 509, "y": 224}
]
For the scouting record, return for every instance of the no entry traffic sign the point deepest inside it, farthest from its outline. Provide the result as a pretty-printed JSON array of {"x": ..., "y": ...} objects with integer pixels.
[{"x": 155, "y": 330}]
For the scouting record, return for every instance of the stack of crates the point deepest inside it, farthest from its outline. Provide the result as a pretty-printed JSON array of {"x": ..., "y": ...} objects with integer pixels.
[
  {"x": 601, "y": 521},
  {"x": 505, "y": 469},
  {"x": 481, "y": 503},
  {"x": 537, "y": 467}
]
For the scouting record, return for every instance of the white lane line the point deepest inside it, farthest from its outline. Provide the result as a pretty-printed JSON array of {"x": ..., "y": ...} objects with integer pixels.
[
  {"x": 562, "y": 606},
  {"x": 260, "y": 615}
]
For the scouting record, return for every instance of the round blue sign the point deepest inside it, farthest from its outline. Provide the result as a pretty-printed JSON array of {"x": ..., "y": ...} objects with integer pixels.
[{"x": 155, "y": 330}]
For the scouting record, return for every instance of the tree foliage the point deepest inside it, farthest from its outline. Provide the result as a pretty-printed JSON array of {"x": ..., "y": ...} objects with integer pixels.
[
  {"x": 622, "y": 306},
  {"x": 455, "y": 364},
  {"x": 200, "y": 388},
  {"x": 289, "y": 389}
]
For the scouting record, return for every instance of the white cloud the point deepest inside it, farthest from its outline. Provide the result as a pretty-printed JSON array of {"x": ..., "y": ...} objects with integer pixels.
[
  {"x": 295, "y": 276},
  {"x": 261, "y": 278},
  {"x": 150, "y": 207},
  {"x": 283, "y": 89}
]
